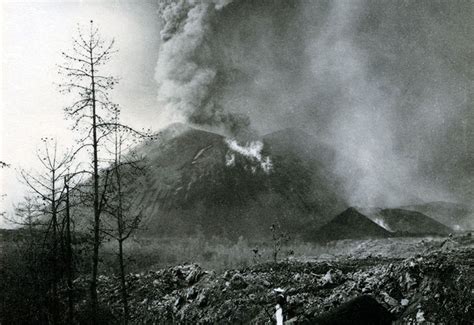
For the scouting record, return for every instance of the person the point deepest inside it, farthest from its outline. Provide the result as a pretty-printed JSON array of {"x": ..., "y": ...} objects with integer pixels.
[{"x": 280, "y": 306}]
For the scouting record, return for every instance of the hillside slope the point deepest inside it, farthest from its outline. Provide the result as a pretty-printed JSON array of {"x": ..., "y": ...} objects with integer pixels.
[
  {"x": 199, "y": 181},
  {"x": 412, "y": 222},
  {"x": 350, "y": 224},
  {"x": 406, "y": 222},
  {"x": 454, "y": 215}
]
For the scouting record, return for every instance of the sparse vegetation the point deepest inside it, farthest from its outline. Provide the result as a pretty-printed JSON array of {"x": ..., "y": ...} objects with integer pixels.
[
  {"x": 434, "y": 284},
  {"x": 220, "y": 254},
  {"x": 31, "y": 274},
  {"x": 279, "y": 239}
]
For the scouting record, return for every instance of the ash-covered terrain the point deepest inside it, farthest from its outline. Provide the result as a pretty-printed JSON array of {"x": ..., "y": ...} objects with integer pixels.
[{"x": 432, "y": 286}]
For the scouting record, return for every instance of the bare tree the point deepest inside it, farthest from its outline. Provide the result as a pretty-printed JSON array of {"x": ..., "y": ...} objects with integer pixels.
[
  {"x": 68, "y": 250},
  {"x": 279, "y": 239},
  {"x": 46, "y": 186},
  {"x": 93, "y": 113},
  {"x": 28, "y": 213},
  {"x": 90, "y": 110},
  {"x": 123, "y": 219}
]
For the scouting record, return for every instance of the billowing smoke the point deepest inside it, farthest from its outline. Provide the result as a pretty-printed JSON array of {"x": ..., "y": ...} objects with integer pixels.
[
  {"x": 388, "y": 84},
  {"x": 186, "y": 71}
]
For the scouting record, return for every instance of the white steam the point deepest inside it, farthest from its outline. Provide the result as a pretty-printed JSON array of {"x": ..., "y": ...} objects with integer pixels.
[
  {"x": 230, "y": 159},
  {"x": 252, "y": 151},
  {"x": 382, "y": 224}
]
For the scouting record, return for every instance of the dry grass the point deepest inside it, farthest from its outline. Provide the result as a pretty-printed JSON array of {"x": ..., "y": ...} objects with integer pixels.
[
  {"x": 220, "y": 254},
  {"x": 215, "y": 253}
]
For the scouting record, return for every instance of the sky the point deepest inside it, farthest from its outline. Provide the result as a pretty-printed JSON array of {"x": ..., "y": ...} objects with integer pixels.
[
  {"x": 34, "y": 33},
  {"x": 387, "y": 83}
]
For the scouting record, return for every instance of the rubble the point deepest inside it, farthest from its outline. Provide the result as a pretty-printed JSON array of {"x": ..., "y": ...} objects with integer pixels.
[{"x": 436, "y": 287}]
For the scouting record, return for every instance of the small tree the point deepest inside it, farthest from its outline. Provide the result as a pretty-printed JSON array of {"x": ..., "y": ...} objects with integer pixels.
[
  {"x": 119, "y": 202},
  {"x": 28, "y": 213},
  {"x": 68, "y": 256},
  {"x": 279, "y": 239},
  {"x": 47, "y": 187}
]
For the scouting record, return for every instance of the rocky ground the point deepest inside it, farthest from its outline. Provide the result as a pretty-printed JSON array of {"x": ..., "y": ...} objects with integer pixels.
[{"x": 433, "y": 286}]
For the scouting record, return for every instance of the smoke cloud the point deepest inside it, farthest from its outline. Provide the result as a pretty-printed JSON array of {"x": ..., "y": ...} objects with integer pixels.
[
  {"x": 387, "y": 84},
  {"x": 186, "y": 72}
]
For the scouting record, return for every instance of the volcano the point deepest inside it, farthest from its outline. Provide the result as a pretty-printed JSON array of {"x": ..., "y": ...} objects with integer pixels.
[
  {"x": 200, "y": 181},
  {"x": 350, "y": 224}
]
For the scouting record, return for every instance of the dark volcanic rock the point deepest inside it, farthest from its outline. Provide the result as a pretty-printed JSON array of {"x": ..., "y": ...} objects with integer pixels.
[
  {"x": 433, "y": 288},
  {"x": 361, "y": 310}
]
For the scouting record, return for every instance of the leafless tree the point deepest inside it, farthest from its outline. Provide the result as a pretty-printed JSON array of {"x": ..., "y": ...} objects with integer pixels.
[
  {"x": 28, "y": 213},
  {"x": 122, "y": 216},
  {"x": 279, "y": 239},
  {"x": 68, "y": 249},
  {"x": 92, "y": 113},
  {"x": 47, "y": 187}
]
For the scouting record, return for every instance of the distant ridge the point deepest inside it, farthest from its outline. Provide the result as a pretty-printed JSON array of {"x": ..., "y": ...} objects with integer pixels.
[
  {"x": 412, "y": 223},
  {"x": 454, "y": 215},
  {"x": 403, "y": 222},
  {"x": 350, "y": 224}
]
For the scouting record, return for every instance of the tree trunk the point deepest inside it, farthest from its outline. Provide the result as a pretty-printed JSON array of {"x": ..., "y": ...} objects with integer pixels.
[
  {"x": 120, "y": 227},
  {"x": 123, "y": 284},
  {"x": 95, "y": 254},
  {"x": 69, "y": 258},
  {"x": 54, "y": 271}
]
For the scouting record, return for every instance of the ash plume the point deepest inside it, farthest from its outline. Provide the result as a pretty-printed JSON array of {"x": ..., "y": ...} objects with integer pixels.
[{"x": 186, "y": 72}]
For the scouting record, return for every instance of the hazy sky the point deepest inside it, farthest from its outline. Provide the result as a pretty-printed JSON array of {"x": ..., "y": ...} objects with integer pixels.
[{"x": 33, "y": 35}]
